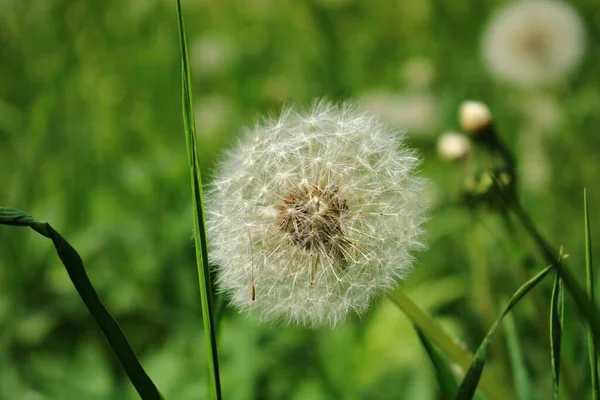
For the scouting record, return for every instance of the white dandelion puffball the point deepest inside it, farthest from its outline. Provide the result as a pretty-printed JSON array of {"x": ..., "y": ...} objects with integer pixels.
[
  {"x": 533, "y": 42},
  {"x": 312, "y": 215}
]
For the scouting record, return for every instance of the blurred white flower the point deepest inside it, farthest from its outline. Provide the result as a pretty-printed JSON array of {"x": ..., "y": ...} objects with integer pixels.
[
  {"x": 212, "y": 113},
  {"x": 211, "y": 54},
  {"x": 533, "y": 42},
  {"x": 452, "y": 146},
  {"x": 312, "y": 215},
  {"x": 415, "y": 112},
  {"x": 474, "y": 116}
]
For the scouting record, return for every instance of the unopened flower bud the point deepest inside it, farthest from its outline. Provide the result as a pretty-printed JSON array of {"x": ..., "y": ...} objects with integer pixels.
[
  {"x": 453, "y": 146},
  {"x": 474, "y": 116}
]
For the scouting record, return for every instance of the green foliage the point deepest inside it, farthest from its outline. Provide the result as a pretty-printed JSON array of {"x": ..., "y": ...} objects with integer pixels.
[
  {"x": 443, "y": 371},
  {"x": 90, "y": 139},
  {"x": 76, "y": 270},
  {"x": 467, "y": 388}
]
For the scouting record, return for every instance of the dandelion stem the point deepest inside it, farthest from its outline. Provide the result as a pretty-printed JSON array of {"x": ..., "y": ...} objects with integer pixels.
[{"x": 446, "y": 343}]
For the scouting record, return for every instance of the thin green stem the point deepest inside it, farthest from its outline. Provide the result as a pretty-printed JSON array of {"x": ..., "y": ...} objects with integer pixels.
[
  {"x": 198, "y": 212},
  {"x": 450, "y": 346},
  {"x": 590, "y": 292},
  {"x": 556, "y": 327}
]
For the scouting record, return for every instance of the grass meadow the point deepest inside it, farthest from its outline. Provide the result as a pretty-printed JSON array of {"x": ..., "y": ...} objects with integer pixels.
[{"x": 92, "y": 140}]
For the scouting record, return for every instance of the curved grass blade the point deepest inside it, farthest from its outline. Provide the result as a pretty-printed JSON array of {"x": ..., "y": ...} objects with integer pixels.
[
  {"x": 589, "y": 272},
  {"x": 198, "y": 209},
  {"x": 443, "y": 372},
  {"x": 447, "y": 344},
  {"x": 556, "y": 326},
  {"x": 587, "y": 308},
  {"x": 469, "y": 384},
  {"x": 515, "y": 353},
  {"x": 76, "y": 270}
]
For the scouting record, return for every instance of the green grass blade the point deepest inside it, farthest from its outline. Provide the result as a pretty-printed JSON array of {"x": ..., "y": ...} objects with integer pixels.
[
  {"x": 76, "y": 270},
  {"x": 586, "y": 308},
  {"x": 592, "y": 339},
  {"x": 450, "y": 346},
  {"x": 556, "y": 326},
  {"x": 469, "y": 384},
  {"x": 443, "y": 372},
  {"x": 199, "y": 225},
  {"x": 515, "y": 353}
]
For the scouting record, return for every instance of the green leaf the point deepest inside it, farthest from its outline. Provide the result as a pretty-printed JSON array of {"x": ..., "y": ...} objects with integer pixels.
[
  {"x": 76, "y": 270},
  {"x": 556, "y": 326},
  {"x": 443, "y": 372},
  {"x": 515, "y": 353},
  {"x": 592, "y": 337},
  {"x": 198, "y": 209},
  {"x": 446, "y": 343},
  {"x": 469, "y": 384}
]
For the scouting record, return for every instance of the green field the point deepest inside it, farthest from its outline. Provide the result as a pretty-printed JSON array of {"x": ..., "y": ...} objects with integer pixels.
[{"x": 92, "y": 140}]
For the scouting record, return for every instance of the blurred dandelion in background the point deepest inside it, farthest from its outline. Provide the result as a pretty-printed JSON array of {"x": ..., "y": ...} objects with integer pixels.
[
  {"x": 416, "y": 112},
  {"x": 533, "y": 42},
  {"x": 312, "y": 215},
  {"x": 212, "y": 54}
]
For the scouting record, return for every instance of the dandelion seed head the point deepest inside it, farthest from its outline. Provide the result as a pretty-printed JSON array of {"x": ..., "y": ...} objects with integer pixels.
[
  {"x": 533, "y": 42},
  {"x": 317, "y": 212}
]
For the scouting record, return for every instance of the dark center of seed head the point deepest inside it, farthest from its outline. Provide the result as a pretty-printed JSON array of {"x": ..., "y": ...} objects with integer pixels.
[{"x": 311, "y": 218}]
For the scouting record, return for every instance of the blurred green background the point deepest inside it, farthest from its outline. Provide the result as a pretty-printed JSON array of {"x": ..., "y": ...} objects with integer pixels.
[{"x": 91, "y": 140}]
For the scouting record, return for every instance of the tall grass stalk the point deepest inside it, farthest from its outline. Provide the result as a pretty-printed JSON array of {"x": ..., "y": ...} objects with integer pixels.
[
  {"x": 520, "y": 377},
  {"x": 198, "y": 210},
  {"x": 592, "y": 341},
  {"x": 557, "y": 305}
]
